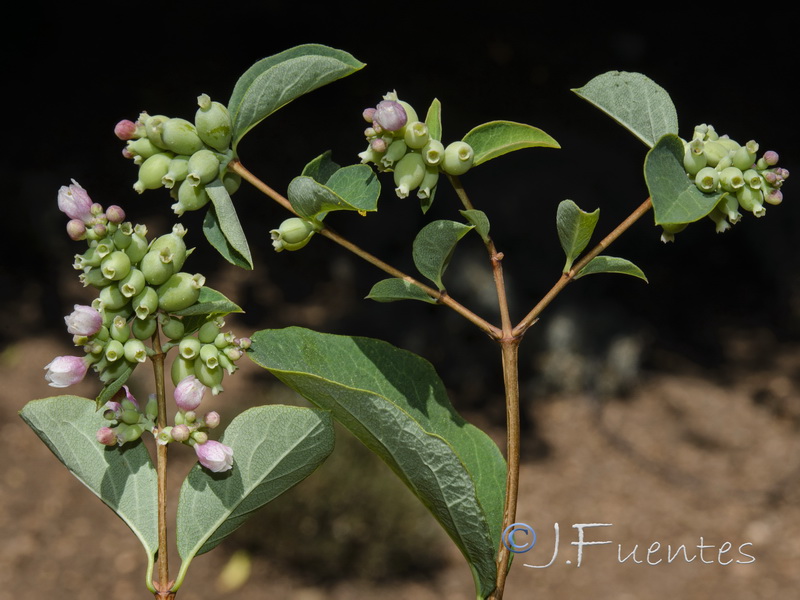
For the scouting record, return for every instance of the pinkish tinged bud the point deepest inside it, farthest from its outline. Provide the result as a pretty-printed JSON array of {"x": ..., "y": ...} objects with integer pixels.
[
  {"x": 125, "y": 130},
  {"x": 83, "y": 321},
  {"x": 368, "y": 114},
  {"x": 74, "y": 202},
  {"x": 212, "y": 419},
  {"x": 390, "y": 115},
  {"x": 115, "y": 214},
  {"x": 76, "y": 230},
  {"x": 129, "y": 397},
  {"x": 189, "y": 393},
  {"x": 64, "y": 371},
  {"x": 214, "y": 456},
  {"x": 106, "y": 436},
  {"x": 180, "y": 433},
  {"x": 771, "y": 157}
]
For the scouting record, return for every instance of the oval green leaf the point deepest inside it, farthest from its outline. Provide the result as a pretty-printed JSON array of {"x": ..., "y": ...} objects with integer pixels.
[
  {"x": 496, "y": 138},
  {"x": 479, "y": 220},
  {"x": 350, "y": 188},
  {"x": 675, "y": 197},
  {"x": 274, "y": 448},
  {"x": 210, "y": 302},
  {"x": 222, "y": 228},
  {"x": 273, "y": 82},
  {"x": 635, "y": 101},
  {"x": 611, "y": 264},
  {"x": 123, "y": 478},
  {"x": 434, "y": 245},
  {"x": 575, "y": 228},
  {"x": 389, "y": 290},
  {"x": 434, "y": 120},
  {"x": 395, "y": 403},
  {"x": 321, "y": 168}
]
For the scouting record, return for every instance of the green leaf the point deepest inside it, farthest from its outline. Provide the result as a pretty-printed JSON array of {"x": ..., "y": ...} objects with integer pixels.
[
  {"x": 675, "y": 197},
  {"x": 479, "y": 220},
  {"x": 496, "y": 138},
  {"x": 395, "y": 403},
  {"x": 611, "y": 264},
  {"x": 113, "y": 386},
  {"x": 434, "y": 120},
  {"x": 321, "y": 168},
  {"x": 273, "y": 82},
  {"x": 350, "y": 188},
  {"x": 575, "y": 228},
  {"x": 635, "y": 101},
  {"x": 210, "y": 302},
  {"x": 274, "y": 448},
  {"x": 123, "y": 478},
  {"x": 434, "y": 245},
  {"x": 389, "y": 290},
  {"x": 222, "y": 228}
]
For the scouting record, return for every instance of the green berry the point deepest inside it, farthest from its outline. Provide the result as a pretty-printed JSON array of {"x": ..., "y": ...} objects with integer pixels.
[
  {"x": 213, "y": 123},
  {"x": 458, "y": 158},
  {"x": 180, "y": 291},
  {"x": 408, "y": 174}
]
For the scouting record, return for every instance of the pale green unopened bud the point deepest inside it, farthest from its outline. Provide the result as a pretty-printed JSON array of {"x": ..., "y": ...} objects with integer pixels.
[
  {"x": 394, "y": 153},
  {"x": 114, "y": 351},
  {"x": 111, "y": 298},
  {"x": 135, "y": 351},
  {"x": 181, "y": 369},
  {"x": 119, "y": 329},
  {"x": 731, "y": 179},
  {"x": 132, "y": 284},
  {"x": 190, "y": 197},
  {"x": 428, "y": 185},
  {"x": 714, "y": 152},
  {"x": 142, "y": 149},
  {"x": 416, "y": 135},
  {"x": 180, "y": 136},
  {"x": 210, "y": 377},
  {"x": 694, "y": 159},
  {"x": 153, "y": 126},
  {"x": 203, "y": 168},
  {"x": 172, "y": 327},
  {"x": 209, "y": 354},
  {"x": 143, "y": 329},
  {"x": 707, "y": 179},
  {"x": 178, "y": 170},
  {"x": 152, "y": 171},
  {"x": 172, "y": 245},
  {"x": 293, "y": 234},
  {"x": 116, "y": 266},
  {"x": 458, "y": 158},
  {"x": 137, "y": 248},
  {"x": 157, "y": 266},
  {"x": 743, "y": 158},
  {"x": 189, "y": 348},
  {"x": 208, "y": 332},
  {"x": 180, "y": 291},
  {"x": 433, "y": 153},
  {"x": 213, "y": 123},
  {"x": 145, "y": 303},
  {"x": 408, "y": 174},
  {"x": 751, "y": 200}
]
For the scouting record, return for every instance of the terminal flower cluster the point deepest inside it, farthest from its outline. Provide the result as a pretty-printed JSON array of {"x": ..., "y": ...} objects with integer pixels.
[
  {"x": 142, "y": 292},
  {"x": 400, "y": 142},
  {"x": 182, "y": 156},
  {"x": 718, "y": 164}
]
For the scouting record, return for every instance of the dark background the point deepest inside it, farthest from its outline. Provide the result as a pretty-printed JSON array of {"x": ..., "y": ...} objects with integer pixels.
[{"x": 71, "y": 76}]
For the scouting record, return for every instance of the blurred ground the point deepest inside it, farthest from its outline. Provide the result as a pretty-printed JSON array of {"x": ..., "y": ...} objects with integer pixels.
[{"x": 684, "y": 457}]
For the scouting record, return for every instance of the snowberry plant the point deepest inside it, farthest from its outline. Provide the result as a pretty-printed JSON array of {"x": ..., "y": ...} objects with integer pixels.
[{"x": 147, "y": 309}]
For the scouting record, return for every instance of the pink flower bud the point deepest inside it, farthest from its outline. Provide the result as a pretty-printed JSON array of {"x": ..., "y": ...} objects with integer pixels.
[
  {"x": 211, "y": 419},
  {"x": 115, "y": 214},
  {"x": 76, "y": 230},
  {"x": 390, "y": 115},
  {"x": 107, "y": 436},
  {"x": 74, "y": 202},
  {"x": 214, "y": 456},
  {"x": 189, "y": 393},
  {"x": 180, "y": 433},
  {"x": 84, "y": 320},
  {"x": 125, "y": 130},
  {"x": 64, "y": 371},
  {"x": 368, "y": 114}
]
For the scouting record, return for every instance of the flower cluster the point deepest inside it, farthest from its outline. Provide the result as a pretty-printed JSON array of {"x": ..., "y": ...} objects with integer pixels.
[
  {"x": 127, "y": 421},
  {"x": 140, "y": 287},
  {"x": 718, "y": 164},
  {"x": 181, "y": 156},
  {"x": 400, "y": 142}
]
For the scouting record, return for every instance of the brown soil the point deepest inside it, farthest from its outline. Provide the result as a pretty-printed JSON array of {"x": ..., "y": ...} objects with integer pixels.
[{"x": 684, "y": 458}]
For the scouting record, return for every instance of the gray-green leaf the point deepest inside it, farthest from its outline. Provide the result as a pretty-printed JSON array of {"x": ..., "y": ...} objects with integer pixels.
[
  {"x": 275, "y": 81},
  {"x": 389, "y": 290},
  {"x": 274, "y": 448},
  {"x": 123, "y": 478},
  {"x": 479, "y": 219},
  {"x": 210, "y": 302},
  {"x": 635, "y": 101},
  {"x": 496, "y": 138},
  {"x": 434, "y": 120},
  {"x": 222, "y": 228},
  {"x": 575, "y": 228},
  {"x": 350, "y": 188},
  {"x": 611, "y": 264},
  {"x": 675, "y": 197},
  {"x": 321, "y": 168},
  {"x": 434, "y": 245},
  {"x": 395, "y": 403}
]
